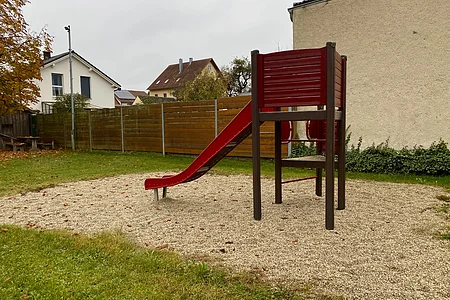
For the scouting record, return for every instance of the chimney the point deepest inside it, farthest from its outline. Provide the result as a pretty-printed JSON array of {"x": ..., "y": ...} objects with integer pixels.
[
  {"x": 180, "y": 62},
  {"x": 191, "y": 60},
  {"x": 47, "y": 55}
]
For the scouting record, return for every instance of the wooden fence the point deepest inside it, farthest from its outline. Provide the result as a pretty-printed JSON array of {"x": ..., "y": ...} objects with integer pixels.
[
  {"x": 16, "y": 125},
  {"x": 175, "y": 127}
]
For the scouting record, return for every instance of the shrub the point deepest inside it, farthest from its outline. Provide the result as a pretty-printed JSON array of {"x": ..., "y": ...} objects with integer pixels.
[
  {"x": 383, "y": 159},
  {"x": 300, "y": 149}
]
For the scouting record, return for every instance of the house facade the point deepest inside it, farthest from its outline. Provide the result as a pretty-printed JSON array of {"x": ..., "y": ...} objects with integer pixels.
[
  {"x": 87, "y": 80},
  {"x": 177, "y": 75},
  {"x": 398, "y": 84}
]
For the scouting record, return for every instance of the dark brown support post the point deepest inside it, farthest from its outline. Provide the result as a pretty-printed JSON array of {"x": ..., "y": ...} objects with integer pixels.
[
  {"x": 319, "y": 171},
  {"x": 319, "y": 176},
  {"x": 256, "y": 139},
  {"x": 342, "y": 138},
  {"x": 278, "y": 190},
  {"x": 330, "y": 136}
]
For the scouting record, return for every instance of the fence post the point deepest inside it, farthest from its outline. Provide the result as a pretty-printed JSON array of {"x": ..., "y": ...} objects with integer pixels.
[
  {"x": 121, "y": 129},
  {"x": 216, "y": 119},
  {"x": 64, "y": 131},
  {"x": 90, "y": 130},
  {"x": 162, "y": 130}
]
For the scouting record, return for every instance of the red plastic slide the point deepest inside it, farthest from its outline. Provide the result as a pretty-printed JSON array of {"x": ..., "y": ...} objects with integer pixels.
[{"x": 236, "y": 131}]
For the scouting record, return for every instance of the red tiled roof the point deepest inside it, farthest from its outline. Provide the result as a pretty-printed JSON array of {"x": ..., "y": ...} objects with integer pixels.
[{"x": 171, "y": 78}]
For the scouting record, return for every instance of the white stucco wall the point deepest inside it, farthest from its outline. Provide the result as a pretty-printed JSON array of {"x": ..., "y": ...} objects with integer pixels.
[
  {"x": 398, "y": 65},
  {"x": 102, "y": 93}
]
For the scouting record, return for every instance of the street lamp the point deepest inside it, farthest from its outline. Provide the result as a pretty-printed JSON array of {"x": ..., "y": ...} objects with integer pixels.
[{"x": 72, "y": 133}]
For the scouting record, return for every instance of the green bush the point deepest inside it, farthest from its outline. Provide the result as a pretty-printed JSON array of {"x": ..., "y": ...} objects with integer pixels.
[
  {"x": 382, "y": 159},
  {"x": 300, "y": 149}
]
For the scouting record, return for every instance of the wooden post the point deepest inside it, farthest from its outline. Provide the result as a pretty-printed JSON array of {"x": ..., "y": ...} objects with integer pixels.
[
  {"x": 121, "y": 130},
  {"x": 342, "y": 138},
  {"x": 256, "y": 140},
  {"x": 162, "y": 130},
  {"x": 330, "y": 136},
  {"x": 216, "y": 118},
  {"x": 90, "y": 130},
  {"x": 319, "y": 171},
  {"x": 64, "y": 131},
  {"x": 278, "y": 190}
]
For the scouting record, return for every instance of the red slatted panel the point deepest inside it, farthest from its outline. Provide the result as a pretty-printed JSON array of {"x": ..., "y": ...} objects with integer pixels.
[
  {"x": 338, "y": 80},
  {"x": 292, "y": 78},
  {"x": 316, "y": 130}
]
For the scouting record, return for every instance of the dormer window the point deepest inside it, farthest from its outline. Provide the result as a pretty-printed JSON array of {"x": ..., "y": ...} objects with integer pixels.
[
  {"x": 178, "y": 79},
  {"x": 158, "y": 81},
  {"x": 167, "y": 80}
]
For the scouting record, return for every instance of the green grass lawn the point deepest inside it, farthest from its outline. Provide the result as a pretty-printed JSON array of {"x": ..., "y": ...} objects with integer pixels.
[
  {"x": 40, "y": 264},
  {"x": 42, "y": 170}
]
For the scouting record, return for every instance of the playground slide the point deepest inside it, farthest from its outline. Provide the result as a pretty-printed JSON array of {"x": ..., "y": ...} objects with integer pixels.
[{"x": 236, "y": 131}]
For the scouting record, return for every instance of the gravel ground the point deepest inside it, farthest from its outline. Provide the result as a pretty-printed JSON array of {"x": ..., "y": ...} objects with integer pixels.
[{"x": 382, "y": 246}]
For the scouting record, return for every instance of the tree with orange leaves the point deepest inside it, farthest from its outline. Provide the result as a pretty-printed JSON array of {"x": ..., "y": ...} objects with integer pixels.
[{"x": 20, "y": 58}]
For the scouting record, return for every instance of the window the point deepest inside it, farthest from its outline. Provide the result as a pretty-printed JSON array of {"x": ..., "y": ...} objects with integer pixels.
[
  {"x": 209, "y": 68},
  {"x": 165, "y": 95},
  {"x": 156, "y": 95},
  {"x": 85, "y": 83},
  {"x": 57, "y": 84}
]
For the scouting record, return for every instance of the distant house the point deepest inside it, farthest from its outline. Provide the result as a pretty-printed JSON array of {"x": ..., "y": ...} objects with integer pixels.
[
  {"x": 87, "y": 80},
  {"x": 127, "y": 97},
  {"x": 177, "y": 75}
]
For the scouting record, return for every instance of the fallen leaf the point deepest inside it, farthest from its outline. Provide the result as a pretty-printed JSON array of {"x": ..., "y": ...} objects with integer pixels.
[
  {"x": 228, "y": 243},
  {"x": 163, "y": 246},
  {"x": 66, "y": 204},
  {"x": 4, "y": 229}
]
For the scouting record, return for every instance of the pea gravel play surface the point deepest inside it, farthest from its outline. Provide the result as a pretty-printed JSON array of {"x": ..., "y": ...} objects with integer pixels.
[{"x": 382, "y": 246}]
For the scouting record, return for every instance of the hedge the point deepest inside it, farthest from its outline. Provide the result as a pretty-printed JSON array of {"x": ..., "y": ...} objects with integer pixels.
[{"x": 383, "y": 159}]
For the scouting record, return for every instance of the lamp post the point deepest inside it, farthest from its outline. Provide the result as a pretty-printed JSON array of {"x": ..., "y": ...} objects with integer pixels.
[{"x": 72, "y": 133}]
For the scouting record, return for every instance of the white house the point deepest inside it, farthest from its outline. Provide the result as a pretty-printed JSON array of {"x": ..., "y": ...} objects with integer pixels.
[{"x": 87, "y": 80}]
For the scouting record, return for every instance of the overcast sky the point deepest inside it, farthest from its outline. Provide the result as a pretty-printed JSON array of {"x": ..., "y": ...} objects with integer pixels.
[{"x": 133, "y": 41}]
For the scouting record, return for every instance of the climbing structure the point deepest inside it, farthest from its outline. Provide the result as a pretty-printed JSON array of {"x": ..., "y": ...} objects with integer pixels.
[{"x": 314, "y": 79}]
